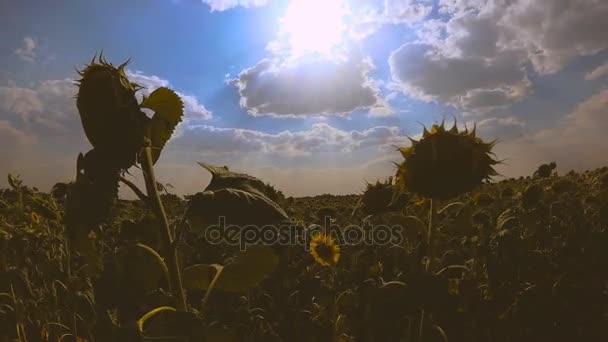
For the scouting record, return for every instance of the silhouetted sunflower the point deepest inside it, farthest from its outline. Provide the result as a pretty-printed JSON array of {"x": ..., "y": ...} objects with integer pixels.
[
  {"x": 109, "y": 111},
  {"x": 445, "y": 163},
  {"x": 325, "y": 250}
]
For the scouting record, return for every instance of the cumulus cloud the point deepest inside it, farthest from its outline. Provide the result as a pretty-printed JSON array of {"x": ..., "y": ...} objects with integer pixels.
[
  {"x": 46, "y": 108},
  {"x": 425, "y": 72},
  {"x": 318, "y": 86},
  {"x": 460, "y": 63},
  {"x": 474, "y": 57},
  {"x": 320, "y": 138},
  {"x": 597, "y": 73},
  {"x": 324, "y": 159},
  {"x": 500, "y": 128},
  {"x": 369, "y": 16},
  {"x": 27, "y": 51},
  {"x": 555, "y": 32},
  {"x": 222, "y": 5},
  {"x": 20, "y": 101}
]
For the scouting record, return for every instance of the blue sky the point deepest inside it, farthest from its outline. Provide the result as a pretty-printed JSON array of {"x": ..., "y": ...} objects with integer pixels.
[{"x": 312, "y": 95}]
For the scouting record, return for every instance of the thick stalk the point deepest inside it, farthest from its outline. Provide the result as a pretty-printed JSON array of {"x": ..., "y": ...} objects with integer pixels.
[
  {"x": 166, "y": 236},
  {"x": 429, "y": 237}
]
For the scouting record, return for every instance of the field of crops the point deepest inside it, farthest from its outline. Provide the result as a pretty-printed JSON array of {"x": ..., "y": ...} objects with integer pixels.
[
  {"x": 532, "y": 255},
  {"x": 441, "y": 251}
]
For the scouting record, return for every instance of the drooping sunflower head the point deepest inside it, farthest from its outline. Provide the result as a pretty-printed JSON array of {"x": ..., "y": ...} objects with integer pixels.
[
  {"x": 109, "y": 111},
  {"x": 445, "y": 163},
  {"x": 379, "y": 198},
  {"x": 324, "y": 250}
]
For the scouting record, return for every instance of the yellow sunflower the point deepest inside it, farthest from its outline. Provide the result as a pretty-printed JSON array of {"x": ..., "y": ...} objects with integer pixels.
[
  {"x": 325, "y": 250},
  {"x": 454, "y": 286},
  {"x": 35, "y": 217}
]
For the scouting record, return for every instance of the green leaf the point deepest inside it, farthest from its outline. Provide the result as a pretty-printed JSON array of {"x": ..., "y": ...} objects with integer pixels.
[
  {"x": 247, "y": 270},
  {"x": 169, "y": 111},
  {"x": 199, "y": 276},
  {"x": 236, "y": 206},
  {"x": 144, "y": 268},
  {"x": 458, "y": 205},
  {"x": 150, "y": 314},
  {"x": 506, "y": 220},
  {"x": 222, "y": 178}
]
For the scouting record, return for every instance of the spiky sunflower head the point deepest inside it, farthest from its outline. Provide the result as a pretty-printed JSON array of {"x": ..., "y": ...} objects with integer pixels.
[
  {"x": 324, "y": 250},
  {"x": 445, "y": 163},
  {"x": 379, "y": 198},
  {"x": 109, "y": 111}
]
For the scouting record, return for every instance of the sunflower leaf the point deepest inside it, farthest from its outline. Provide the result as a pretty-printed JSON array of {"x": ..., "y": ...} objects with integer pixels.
[{"x": 247, "y": 270}]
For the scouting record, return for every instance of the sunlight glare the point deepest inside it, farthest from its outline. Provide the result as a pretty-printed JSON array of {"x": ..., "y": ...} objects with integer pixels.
[{"x": 314, "y": 25}]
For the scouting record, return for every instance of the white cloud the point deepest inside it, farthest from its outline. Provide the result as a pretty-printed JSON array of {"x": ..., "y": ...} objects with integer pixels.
[
  {"x": 554, "y": 32},
  {"x": 320, "y": 138},
  {"x": 461, "y": 63},
  {"x": 425, "y": 72},
  {"x": 550, "y": 32},
  {"x": 222, "y": 5},
  {"x": 474, "y": 58},
  {"x": 27, "y": 51},
  {"x": 20, "y": 101},
  {"x": 46, "y": 108},
  {"x": 367, "y": 16},
  {"x": 322, "y": 158},
  {"x": 318, "y": 86},
  {"x": 460, "y": 6},
  {"x": 501, "y": 129},
  {"x": 597, "y": 73}
]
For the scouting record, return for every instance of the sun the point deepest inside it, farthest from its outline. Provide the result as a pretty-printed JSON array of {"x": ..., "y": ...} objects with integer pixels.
[{"x": 315, "y": 26}]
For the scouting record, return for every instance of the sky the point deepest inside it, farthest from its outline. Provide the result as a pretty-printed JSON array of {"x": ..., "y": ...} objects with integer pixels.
[{"x": 312, "y": 95}]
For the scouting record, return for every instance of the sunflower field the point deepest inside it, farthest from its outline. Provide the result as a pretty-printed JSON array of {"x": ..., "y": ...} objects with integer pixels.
[{"x": 474, "y": 258}]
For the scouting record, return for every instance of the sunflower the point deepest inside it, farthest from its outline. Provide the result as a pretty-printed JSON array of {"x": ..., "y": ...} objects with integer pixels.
[
  {"x": 454, "y": 286},
  {"x": 109, "y": 112},
  {"x": 445, "y": 163},
  {"x": 325, "y": 250},
  {"x": 35, "y": 217}
]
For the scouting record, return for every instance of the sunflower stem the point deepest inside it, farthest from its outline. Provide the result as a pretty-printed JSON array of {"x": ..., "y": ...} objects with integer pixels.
[
  {"x": 430, "y": 227},
  {"x": 427, "y": 264},
  {"x": 166, "y": 236}
]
